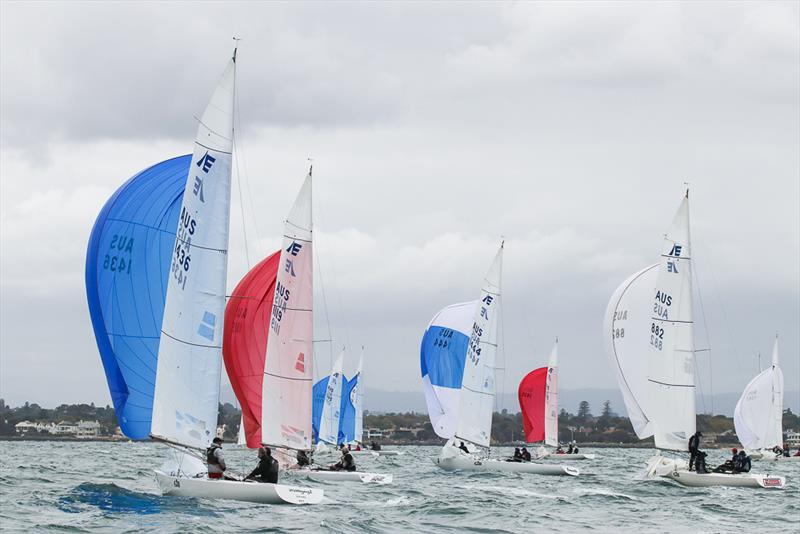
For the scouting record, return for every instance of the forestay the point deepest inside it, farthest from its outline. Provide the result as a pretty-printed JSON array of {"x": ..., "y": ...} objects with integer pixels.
[
  {"x": 332, "y": 405},
  {"x": 627, "y": 334},
  {"x": 759, "y": 412},
  {"x": 188, "y": 371},
  {"x": 127, "y": 264},
  {"x": 442, "y": 355},
  {"x": 477, "y": 388},
  {"x": 671, "y": 398},
  {"x": 288, "y": 372}
]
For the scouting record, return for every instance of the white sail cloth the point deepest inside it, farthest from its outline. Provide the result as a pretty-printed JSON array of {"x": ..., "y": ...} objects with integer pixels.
[
  {"x": 627, "y": 333},
  {"x": 551, "y": 400},
  {"x": 758, "y": 417},
  {"x": 288, "y": 368},
  {"x": 331, "y": 407},
  {"x": 477, "y": 388},
  {"x": 671, "y": 398},
  {"x": 186, "y": 394}
]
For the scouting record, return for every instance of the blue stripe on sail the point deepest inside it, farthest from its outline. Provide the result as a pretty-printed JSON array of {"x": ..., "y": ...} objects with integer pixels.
[
  {"x": 127, "y": 264},
  {"x": 317, "y": 402},
  {"x": 347, "y": 421},
  {"x": 442, "y": 356}
]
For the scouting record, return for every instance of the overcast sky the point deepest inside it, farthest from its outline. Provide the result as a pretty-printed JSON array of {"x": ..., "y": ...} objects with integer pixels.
[{"x": 568, "y": 128}]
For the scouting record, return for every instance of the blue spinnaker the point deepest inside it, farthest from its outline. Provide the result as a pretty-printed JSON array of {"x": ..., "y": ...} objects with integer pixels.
[
  {"x": 317, "y": 402},
  {"x": 127, "y": 263},
  {"x": 347, "y": 419}
]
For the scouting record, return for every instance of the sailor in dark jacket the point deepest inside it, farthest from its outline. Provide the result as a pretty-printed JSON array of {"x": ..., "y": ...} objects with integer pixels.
[
  {"x": 267, "y": 470},
  {"x": 347, "y": 463},
  {"x": 694, "y": 448}
]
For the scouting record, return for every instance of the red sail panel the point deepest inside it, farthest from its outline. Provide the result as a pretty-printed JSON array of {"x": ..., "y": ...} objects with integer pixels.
[
  {"x": 244, "y": 344},
  {"x": 531, "y": 401}
]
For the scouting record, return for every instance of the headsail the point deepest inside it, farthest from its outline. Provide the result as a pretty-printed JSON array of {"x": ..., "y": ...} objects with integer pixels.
[
  {"x": 538, "y": 400},
  {"x": 244, "y": 345},
  {"x": 477, "y": 388},
  {"x": 288, "y": 371},
  {"x": 671, "y": 387},
  {"x": 627, "y": 333},
  {"x": 188, "y": 372},
  {"x": 758, "y": 417},
  {"x": 332, "y": 405},
  {"x": 442, "y": 355},
  {"x": 127, "y": 264}
]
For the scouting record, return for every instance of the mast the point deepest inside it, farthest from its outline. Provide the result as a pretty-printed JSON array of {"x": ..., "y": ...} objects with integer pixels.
[{"x": 188, "y": 370}]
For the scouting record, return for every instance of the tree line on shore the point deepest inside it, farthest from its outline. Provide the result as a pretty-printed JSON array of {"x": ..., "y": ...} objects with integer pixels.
[{"x": 583, "y": 426}]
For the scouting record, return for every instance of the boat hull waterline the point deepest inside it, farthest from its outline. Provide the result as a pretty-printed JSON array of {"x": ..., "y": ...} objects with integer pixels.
[
  {"x": 203, "y": 488},
  {"x": 475, "y": 464}
]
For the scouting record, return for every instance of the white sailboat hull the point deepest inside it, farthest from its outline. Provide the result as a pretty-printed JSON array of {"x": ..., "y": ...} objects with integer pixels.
[
  {"x": 343, "y": 476},
  {"x": 364, "y": 453},
  {"x": 740, "y": 480},
  {"x": 203, "y": 488},
  {"x": 475, "y": 464},
  {"x": 783, "y": 458}
]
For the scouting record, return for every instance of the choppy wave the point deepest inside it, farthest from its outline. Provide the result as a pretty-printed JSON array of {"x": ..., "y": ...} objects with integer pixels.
[{"x": 102, "y": 487}]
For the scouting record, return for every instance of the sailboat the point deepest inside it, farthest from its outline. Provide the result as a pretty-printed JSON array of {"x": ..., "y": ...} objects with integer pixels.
[
  {"x": 158, "y": 329},
  {"x": 758, "y": 416},
  {"x": 270, "y": 361},
  {"x": 651, "y": 314},
  {"x": 538, "y": 400},
  {"x": 458, "y": 359}
]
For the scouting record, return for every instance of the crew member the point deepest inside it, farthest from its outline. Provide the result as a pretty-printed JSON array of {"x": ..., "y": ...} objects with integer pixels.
[
  {"x": 694, "y": 447},
  {"x": 267, "y": 469},
  {"x": 700, "y": 463},
  {"x": 728, "y": 466},
  {"x": 302, "y": 458},
  {"x": 559, "y": 450},
  {"x": 347, "y": 463},
  {"x": 526, "y": 456},
  {"x": 463, "y": 447},
  {"x": 375, "y": 446},
  {"x": 571, "y": 448},
  {"x": 741, "y": 463},
  {"x": 215, "y": 459},
  {"x": 517, "y": 455}
]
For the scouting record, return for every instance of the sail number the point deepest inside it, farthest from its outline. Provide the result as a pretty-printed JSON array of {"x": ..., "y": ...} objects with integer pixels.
[
  {"x": 182, "y": 259},
  {"x": 656, "y": 336},
  {"x": 443, "y": 338},
  {"x": 474, "y": 344},
  {"x": 118, "y": 259},
  {"x": 279, "y": 306}
]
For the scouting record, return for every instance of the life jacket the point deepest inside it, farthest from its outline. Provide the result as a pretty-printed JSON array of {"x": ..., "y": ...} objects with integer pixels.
[{"x": 211, "y": 459}]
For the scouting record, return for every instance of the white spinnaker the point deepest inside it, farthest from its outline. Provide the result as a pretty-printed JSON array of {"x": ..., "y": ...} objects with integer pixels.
[
  {"x": 477, "y": 387},
  {"x": 357, "y": 398},
  {"x": 551, "y": 400},
  {"x": 443, "y": 401},
  {"x": 671, "y": 389},
  {"x": 288, "y": 367},
  {"x": 759, "y": 412},
  {"x": 186, "y": 394},
  {"x": 331, "y": 407},
  {"x": 626, "y": 330}
]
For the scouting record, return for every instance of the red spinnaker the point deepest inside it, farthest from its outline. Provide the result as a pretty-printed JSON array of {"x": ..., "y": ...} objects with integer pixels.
[
  {"x": 244, "y": 344},
  {"x": 531, "y": 401}
]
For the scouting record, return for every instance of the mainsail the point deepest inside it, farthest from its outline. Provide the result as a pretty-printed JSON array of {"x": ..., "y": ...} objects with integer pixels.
[
  {"x": 538, "y": 400},
  {"x": 244, "y": 345},
  {"x": 188, "y": 371},
  {"x": 332, "y": 405},
  {"x": 127, "y": 264},
  {"x": 477, "y": 388},
  {"x": 671, "y": 387},
  {"x": 627, "y": 324},
  {"x": 288, "y": 371},
  {"x": 442, "y": 355},
  {"x": 758, "y": 417}
]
